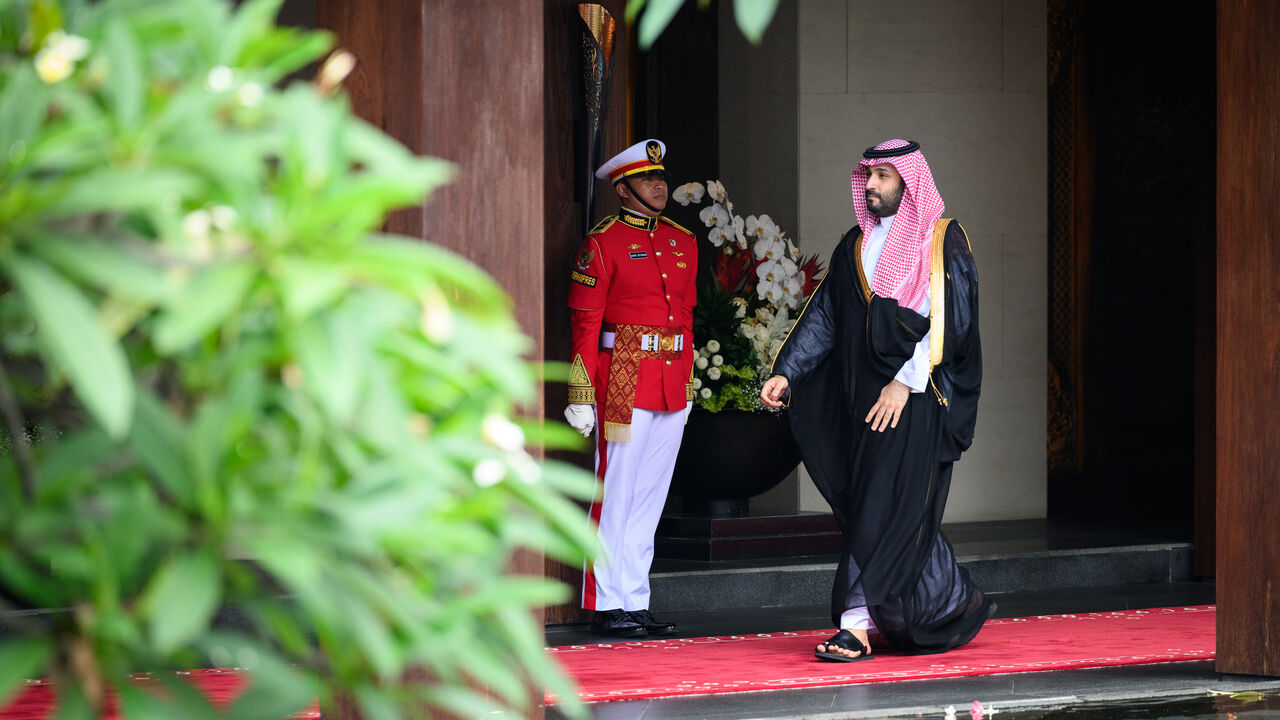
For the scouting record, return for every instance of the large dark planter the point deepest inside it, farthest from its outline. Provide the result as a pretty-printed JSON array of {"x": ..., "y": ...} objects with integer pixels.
[{"x": 729, "y": 456}]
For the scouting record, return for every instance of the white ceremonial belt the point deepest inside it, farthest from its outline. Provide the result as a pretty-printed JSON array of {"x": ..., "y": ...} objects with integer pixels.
[
  {"x": 649, "y": 342},
  {"x": 653, "y": 343}
]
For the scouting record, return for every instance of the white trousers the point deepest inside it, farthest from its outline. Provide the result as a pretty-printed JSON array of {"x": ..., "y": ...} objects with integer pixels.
[
  {"x": 858, "y": 618},
  {"x": 634, "y": 477}
]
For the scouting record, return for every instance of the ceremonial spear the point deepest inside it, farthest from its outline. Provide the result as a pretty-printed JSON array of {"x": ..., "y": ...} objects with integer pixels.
[{"x": 597, "y": 61}]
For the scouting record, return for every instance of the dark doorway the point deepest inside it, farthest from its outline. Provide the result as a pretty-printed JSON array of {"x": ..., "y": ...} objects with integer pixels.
[{"x": 1132, "y": 128}]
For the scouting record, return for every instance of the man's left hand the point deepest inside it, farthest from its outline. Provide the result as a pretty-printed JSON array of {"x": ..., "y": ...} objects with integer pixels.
[{"x": 887, "y": 410}]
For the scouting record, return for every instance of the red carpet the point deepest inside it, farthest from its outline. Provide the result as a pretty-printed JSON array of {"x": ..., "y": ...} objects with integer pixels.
[
  {"x": 36, "y": 702},
  {"x": 776, "y": 661}
]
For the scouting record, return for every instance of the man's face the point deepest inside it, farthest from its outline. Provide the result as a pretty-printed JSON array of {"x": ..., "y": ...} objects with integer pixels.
[
  {"x": 884, "y": 190},
  {"x": 650, "y": 186}
]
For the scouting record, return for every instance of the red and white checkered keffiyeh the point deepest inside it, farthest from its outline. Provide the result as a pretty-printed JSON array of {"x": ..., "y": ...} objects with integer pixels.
[{"x": 902, "y": 272}]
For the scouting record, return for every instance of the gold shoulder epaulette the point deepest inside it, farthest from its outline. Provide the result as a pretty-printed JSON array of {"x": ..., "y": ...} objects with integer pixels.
[
  {"x": 603, "y": 225},
  {"x": 674, "y": 224}
]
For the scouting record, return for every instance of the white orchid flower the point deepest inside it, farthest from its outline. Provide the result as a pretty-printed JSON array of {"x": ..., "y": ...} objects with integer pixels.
[
  {"x": 713, "y": 373},
  {"x": 769, "y": 291},
  {"x": 688, "y": 193},
  {"x": 714, "y": 216},
  {"x": 770, "y": 271},
  {"x": 715, "y": 189},
  {"x": 770, "y": 248},
  {"x": 762, "y": 228},
  {"x": 717, "y": 236},
  {"x": 737, "y": 224}
]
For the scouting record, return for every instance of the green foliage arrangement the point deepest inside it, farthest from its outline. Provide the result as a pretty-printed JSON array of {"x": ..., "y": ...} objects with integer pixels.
[
  {"x": 752, "y": 17},
  {"x": 242, "y": 428}
]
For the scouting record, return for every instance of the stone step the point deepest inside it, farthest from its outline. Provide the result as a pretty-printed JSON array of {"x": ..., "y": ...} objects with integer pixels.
[{"x": 807, "y": 581}]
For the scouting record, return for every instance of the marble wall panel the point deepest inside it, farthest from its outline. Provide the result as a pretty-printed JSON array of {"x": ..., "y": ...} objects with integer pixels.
[
  {"x": 1024, "y": 306},
  {"x": 1025, "y": 36},
  {"x": 1002, "y": 476},
  {"x": 822, "y": 46},
  {"x": 925, "y": 46}
]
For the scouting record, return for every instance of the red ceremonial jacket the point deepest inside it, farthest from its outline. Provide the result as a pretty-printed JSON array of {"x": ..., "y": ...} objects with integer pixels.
[{"x": 635, "y": 270}]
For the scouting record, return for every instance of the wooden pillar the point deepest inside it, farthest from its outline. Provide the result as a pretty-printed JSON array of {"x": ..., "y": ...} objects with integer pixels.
[
  {"x": 1247, "y": 178},
  {"x": 463, "y": 80}
]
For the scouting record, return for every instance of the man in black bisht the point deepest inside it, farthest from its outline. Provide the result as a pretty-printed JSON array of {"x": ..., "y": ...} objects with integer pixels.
[{"x": 882, "y": 372}]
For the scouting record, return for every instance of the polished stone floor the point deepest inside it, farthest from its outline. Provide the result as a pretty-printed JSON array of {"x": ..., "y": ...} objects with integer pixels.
[
  {"x": 928, "y": 698},
  {"x": 1024, "y": 546}
]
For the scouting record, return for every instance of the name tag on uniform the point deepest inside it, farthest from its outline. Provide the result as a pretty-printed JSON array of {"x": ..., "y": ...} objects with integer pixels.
[{"x": 640, "y": 255}]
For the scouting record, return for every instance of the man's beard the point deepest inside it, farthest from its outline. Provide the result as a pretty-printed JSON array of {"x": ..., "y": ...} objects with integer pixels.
[{"x": 888, "y": 205}]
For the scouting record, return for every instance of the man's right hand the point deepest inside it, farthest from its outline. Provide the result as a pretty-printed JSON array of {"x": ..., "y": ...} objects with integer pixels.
[
  {"x": 773, "y": 390},
  {"x": 582, "y": 417}
]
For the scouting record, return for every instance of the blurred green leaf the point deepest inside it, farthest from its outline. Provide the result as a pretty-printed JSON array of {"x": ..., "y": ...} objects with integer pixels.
[
  {"x": 657, "y": 15},
  {"x": 202, "y": 305},
  {"x": 72, "y": 705},
  {"x": 331, "y": 351},
  {"x": 158, "y": 438},
  {"x": 127, "y": 87},
  {"x": 279, "y": 689},
  {"x": 753, "y": 17},
  {"x": 251, "y": 19},
  {"x": 22, "y": 107},
  {"x": 184, "y": 700},
  {"x": 112, "y": 267},
  {"x": 118, "y": 189},
  {"x": 21, "y": 659},
  {"x": 77, "y": 343},
  {"x": 181, "y": 598},
  {"x": 307, "y": 286}
]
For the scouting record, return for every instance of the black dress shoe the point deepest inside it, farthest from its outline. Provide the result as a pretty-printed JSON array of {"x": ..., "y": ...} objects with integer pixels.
[
  {"x": 616, "y": 623},
  {"x": 652, "y": 625}
]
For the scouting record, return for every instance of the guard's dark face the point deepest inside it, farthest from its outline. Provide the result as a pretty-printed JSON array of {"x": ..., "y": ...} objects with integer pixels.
[
  {"x": 650, "y": 186},
  {"x": 884, "y": 190}
]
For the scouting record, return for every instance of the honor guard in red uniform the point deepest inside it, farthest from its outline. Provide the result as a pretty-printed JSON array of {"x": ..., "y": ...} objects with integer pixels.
[{"x": 631, "y": 296}]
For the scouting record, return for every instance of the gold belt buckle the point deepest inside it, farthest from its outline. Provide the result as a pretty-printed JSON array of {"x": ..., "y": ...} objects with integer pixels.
[{"x": 668, "y": 343}]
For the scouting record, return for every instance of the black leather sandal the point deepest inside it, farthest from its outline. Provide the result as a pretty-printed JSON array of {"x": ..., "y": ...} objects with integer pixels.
[{"x": 844, "y": 640}]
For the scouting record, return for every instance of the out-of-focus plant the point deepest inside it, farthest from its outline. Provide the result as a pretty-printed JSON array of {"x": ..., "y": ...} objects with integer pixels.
[
  {"x": 221, "y": 388},
  {"x": 752, "y": 16}
]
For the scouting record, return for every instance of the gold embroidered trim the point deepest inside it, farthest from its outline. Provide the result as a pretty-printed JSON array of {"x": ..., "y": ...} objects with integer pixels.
[
  {"x": 863, "y": 283},
  {"x": 578, "y": 373},
  {"x": 688, "y": 392},
  {"x": 582, "y": 395},
  {"x": 603, "y": 225},
  {"x": 636, "y": 220},
  {"x": 674, "y": 224},
  {"x": 617, "y": 432},
  {"x": 937, "y": 293},
  {"x": 581, "y": 390}
]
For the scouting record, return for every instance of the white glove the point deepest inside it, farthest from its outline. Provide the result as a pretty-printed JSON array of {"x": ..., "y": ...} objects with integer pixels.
[
  {"x": 687, "y": 408},
  {"x": 582, "y": 417}
]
